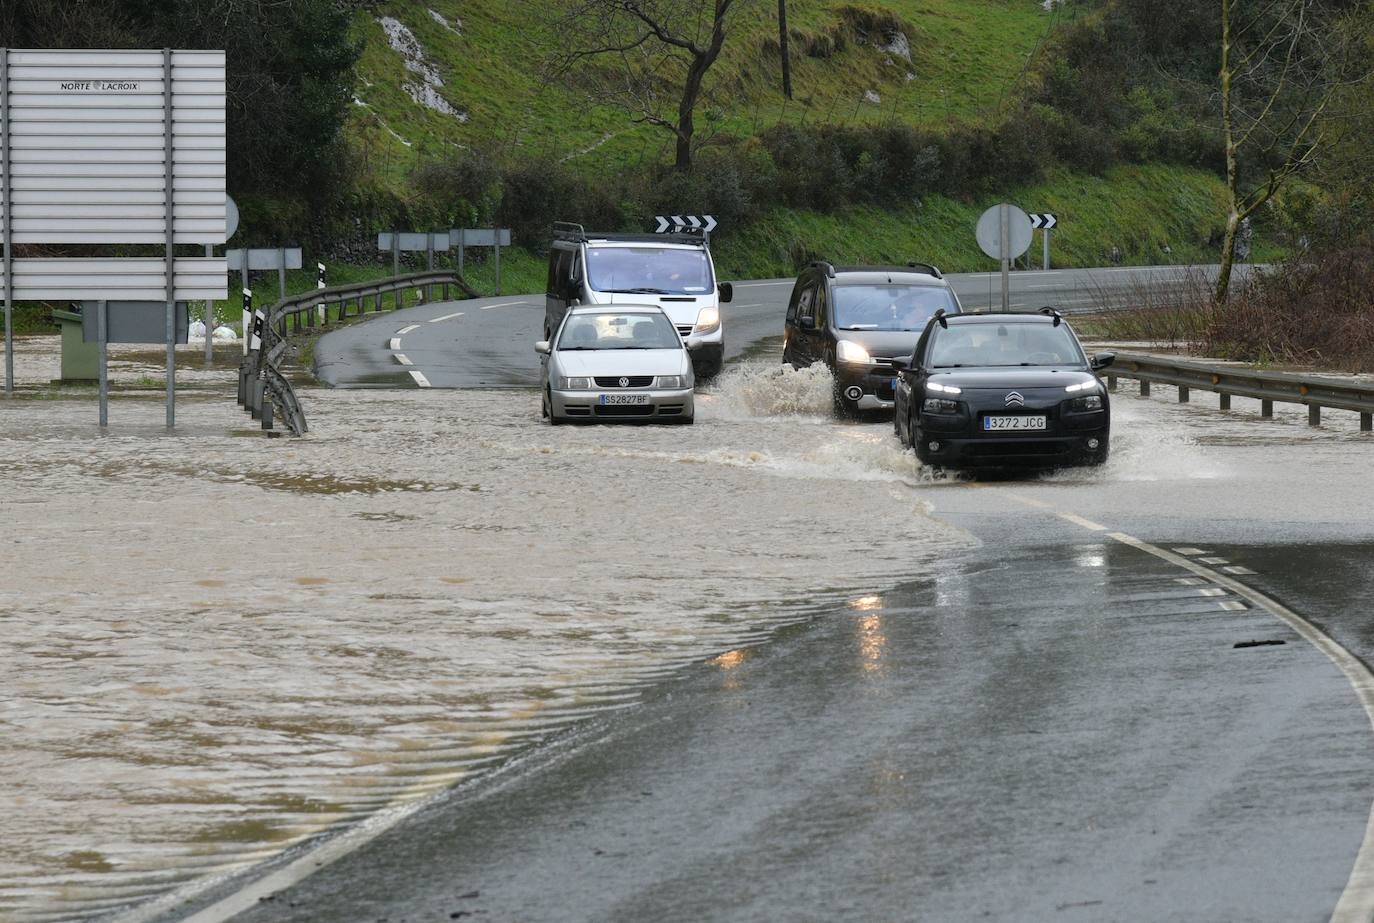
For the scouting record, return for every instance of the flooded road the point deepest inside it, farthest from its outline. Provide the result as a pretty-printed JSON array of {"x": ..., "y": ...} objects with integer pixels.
[{"x": 217, "y": 646}]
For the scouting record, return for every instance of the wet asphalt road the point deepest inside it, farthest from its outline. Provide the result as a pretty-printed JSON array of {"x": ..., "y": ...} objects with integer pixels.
[
  {"x": 489, "y": 342},
  {"x": 1058, "y": 725},
  {"x": 1056, "y": 728}
]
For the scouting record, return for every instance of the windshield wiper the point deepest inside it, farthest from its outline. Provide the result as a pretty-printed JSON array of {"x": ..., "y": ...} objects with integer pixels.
[
  {"x": 638, "y": 291},
  {"x": 862, "y": 327}
]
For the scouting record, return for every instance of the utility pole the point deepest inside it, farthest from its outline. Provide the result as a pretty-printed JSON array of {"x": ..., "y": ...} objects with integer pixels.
[{"x": 782, "y": 49}]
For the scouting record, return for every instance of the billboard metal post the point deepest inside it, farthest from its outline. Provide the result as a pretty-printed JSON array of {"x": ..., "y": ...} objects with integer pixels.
[
  {"x": 6, "y": 268},
  {"x": 170, "y": 208},
  {"x": 209, "y": 319},
  {"x": 281, "y": 273},
  {"x": 102, "y": 326},
  {"x": 247, "y": 305}
]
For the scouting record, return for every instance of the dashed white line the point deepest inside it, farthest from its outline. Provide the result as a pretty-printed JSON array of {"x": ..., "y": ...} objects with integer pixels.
[
  {"x": 504, "y": 304},
  {"x": 435, "y": 320},
  {"x": 402, "y": 359},
  {"x": 395, "y": 344},
  {"x": 1237, "y": 569},
  {"x": 1080, "y": 521},
  {"x": 404, "y": 330},
  {"x": 420, "y": 378}
]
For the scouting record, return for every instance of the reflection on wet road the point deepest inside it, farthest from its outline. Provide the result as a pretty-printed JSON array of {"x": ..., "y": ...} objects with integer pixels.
[{"x": 1066, "y": 728}]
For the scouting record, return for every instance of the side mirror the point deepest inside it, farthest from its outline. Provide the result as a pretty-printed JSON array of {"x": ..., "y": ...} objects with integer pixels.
[
  {"x": 1101, "y": 361},
  {"x": 900, "y": 364},
  {"x": 727, "y": 293},
  {"x": 807, "y": 322},
  {"x": 542, "y": 347}
]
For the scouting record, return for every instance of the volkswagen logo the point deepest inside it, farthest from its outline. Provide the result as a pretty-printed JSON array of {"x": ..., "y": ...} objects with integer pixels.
[
  {"x": 1014, "y": 399},
  {"x": 624, "y": 382}
]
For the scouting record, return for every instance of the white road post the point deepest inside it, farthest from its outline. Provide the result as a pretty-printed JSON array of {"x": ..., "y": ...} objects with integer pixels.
[
  {"x": 209, "y": 319},
  {"x": 319, "y": 283}
]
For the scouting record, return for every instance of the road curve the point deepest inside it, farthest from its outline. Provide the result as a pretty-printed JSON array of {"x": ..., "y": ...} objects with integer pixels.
[{"x": 488, "y": 342}]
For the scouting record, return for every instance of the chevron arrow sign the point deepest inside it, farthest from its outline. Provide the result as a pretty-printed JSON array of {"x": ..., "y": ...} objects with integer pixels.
[
  {"x": 1045, "y": 221},
  {"x": 672, "y": 223}
]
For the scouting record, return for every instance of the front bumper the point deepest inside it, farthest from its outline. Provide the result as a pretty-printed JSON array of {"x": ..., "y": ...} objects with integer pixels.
[
  {"x": 875, "y": 385},
  {"x": 1065, "y": 442},
  {"x": 586, "y": 405}
]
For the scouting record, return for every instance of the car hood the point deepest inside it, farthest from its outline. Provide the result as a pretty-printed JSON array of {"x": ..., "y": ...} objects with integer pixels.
[
  {"x": 883, "y": 344},
  {"x": 1018, "y": 378},
  {"x": 623, "y": 362}
]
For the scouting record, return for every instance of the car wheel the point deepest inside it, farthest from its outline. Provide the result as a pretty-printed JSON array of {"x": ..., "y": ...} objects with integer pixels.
[{"x": 548, "y": 409}]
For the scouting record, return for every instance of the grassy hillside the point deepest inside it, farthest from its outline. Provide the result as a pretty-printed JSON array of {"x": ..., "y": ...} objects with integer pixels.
[{"x": 965, "y": 55}]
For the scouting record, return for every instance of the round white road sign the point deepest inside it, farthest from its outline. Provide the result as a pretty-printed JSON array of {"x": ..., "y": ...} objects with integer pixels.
[
  {"x": 231, "y": 217},
  {"x": 989, "y": 232}
]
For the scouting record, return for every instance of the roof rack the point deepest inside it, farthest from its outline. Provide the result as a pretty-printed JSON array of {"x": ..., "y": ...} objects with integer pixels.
[
  {"x": 576, "y": 233},
  {"x": 924, "y": 269},
  {"x": 828, "y": 266}
]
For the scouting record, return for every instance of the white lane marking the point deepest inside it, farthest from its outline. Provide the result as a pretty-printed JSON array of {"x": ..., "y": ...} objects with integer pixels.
[
  {"x": 402, "y": 359},
  {"x": 1213, "y": 560},
  {"x": 504, "y": 304},
  {"x": 1237, "y": 569},
  {"x": 1212, "y": 591},
  {"x": 436, "y": 320},
  {"x": 1080, "y": 521},
  {"x": 1232, "y": 605},
  {"x": 423, "y": 382},
  {"x": 1189, "y": 581},
  {"x": 395, "y": 344},
  {"x": 1190, "y": 552},
  {"x": 759, "y": 305},
  {"x": 312, "y": 861},
  {"x": 1357, "y": 900},
  {"x": 759, "y": 284},
  {"x": 404, "y": 330}
]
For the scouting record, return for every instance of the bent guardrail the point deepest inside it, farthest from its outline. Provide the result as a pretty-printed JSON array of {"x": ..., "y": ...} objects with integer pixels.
[
  {"x": 265, "y": 392},
  {"x": 1316, "y": 392}
]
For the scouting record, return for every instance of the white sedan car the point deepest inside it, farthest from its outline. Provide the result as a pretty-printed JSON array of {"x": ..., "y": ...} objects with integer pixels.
[{"x": 617, "y": 362}]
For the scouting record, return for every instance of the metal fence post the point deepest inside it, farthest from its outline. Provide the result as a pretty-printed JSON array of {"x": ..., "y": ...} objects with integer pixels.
[
  {"x": 496, "y": 234},
  {"x": 102, "y": 327},
  {"x": 209, "y": 319},
  {"x": 170, "y": 267},
  {"x": 6, "y": 266}
]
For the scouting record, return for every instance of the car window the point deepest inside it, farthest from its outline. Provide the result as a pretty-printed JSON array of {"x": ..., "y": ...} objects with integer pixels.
[
  {"x": 556, "y": 259},
  {"x": 795, "y": 299},
  {"x": 649, "y": 270},
  {"x": 618, "y": 331},
  {"x": 1010, "y": 344},
  {"x": 807, "y": 304},
  {"x": 889, "y": 307}
]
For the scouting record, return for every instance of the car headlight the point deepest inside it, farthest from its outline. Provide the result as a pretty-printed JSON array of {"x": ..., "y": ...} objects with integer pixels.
[
  {"x": 1082, "y": 386},
  {"x": 849, "y": 351},
  {"x": 708, "y": 321},
  {"x": 574, "y": 384},
  {"x": 671, "y": 381},
  {"x": 1086, "y": 404},
  {"x": 939, "y": 405},
  {"x": 943, "y": 389}
]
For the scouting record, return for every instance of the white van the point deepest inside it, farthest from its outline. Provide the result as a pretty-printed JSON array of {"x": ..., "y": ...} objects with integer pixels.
[{"x": 673, "y": 271}]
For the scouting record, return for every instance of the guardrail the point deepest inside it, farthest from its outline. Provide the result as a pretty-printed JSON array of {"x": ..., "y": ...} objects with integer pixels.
[
  {"x": 311, "y": 308},
  {"x": 265, "y": 392},
  {"x": 1316, "y": 392}
]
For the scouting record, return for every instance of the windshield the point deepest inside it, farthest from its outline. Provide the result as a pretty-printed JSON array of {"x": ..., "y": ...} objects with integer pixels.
[
  {"x": 889, "y": 307},
  {"x": 1010, "y": 344},
  {"x": 618, "y": 331},
  {"x": 649, "y": 270}
]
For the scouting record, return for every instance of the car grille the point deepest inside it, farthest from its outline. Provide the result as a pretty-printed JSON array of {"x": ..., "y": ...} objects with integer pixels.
[
  {"x": 1019, "y": 448},
  {"x": 625, "y": 410},
  {"x": 635, "y": 381},
  {"x": 684, "y": 329}
]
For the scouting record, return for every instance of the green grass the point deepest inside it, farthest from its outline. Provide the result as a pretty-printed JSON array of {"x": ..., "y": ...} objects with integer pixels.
[
  {"x": 967, "y": 55},
  {"x": 1140, "y": 210}
]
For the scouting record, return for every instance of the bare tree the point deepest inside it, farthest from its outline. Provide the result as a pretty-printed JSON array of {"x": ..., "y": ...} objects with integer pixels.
[
  {"x": 1281, "y": 63},
  {"x": 631, "y": 53}
]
